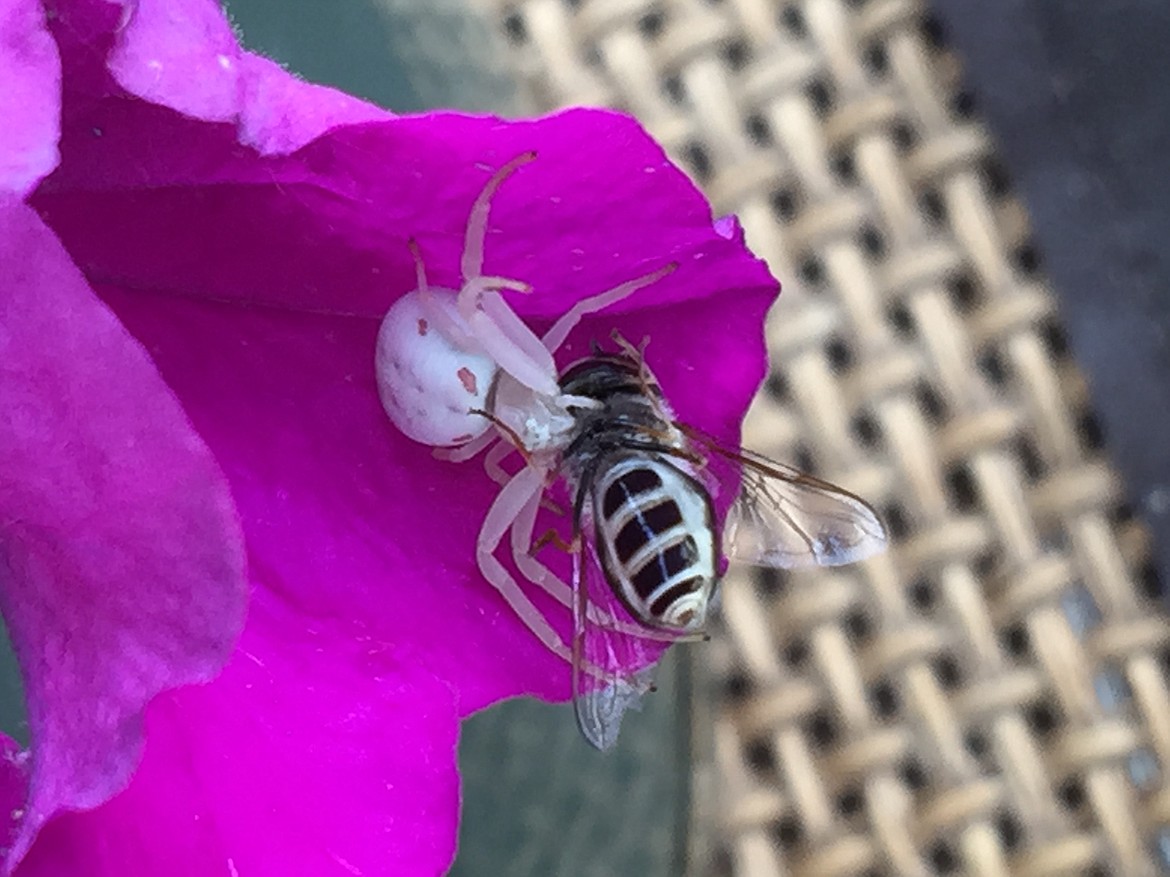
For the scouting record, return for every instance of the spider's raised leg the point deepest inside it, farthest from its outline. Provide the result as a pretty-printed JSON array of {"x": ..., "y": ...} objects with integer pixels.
[
  {"x": 568, "y": 321},
  {"x": 510, "y": 341},
  {"x": 500, "y": 332},
  {"x": 506, "y": 338},
  {"x": 437, "y": 307},
  {"x": 472, "y": 262}
]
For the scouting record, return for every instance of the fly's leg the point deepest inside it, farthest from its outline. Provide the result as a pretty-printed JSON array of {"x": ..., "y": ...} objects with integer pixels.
[{"x": 553, "y": 538}]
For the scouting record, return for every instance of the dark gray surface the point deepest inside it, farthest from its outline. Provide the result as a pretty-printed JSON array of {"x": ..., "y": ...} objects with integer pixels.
[{"x": 1078, "y": 98}]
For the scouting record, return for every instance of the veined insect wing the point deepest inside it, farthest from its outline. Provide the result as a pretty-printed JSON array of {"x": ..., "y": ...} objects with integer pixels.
[
  {"x": 612, "y": 668},
  {"x": 784, "y": 518}
]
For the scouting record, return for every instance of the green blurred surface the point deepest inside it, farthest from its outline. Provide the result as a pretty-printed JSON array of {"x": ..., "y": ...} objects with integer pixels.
[
  {"x": 338, "y": 42},
  {"x": 539, "y": 801},
  {"x": 13, "y": 712},
  {"x": 404, "y": 55}
]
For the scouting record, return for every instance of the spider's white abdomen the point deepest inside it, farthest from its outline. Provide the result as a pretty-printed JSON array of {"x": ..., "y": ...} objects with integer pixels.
[{"x": 428, "y": 383}]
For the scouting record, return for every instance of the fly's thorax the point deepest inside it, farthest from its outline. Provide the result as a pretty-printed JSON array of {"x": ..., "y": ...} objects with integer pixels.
[
  {"x": 604, "y": 377},
  {"x": 627, "y": 410},
  {"x": 656, "y": 538}
]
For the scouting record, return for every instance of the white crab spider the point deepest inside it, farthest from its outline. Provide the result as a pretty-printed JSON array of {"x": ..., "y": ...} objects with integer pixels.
[{"x": 444, "y": 357}]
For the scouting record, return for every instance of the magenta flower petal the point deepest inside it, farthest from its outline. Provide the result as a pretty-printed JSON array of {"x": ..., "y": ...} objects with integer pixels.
[
  {"x": 321, "y": 757},
  {"x": 250, "y": 231},
  {"x": 30, "y": 98},
  {"x": 182, "y": 54},
  {"x": 123, "y": 560},
  {"x": 280, "y": 114},
  {"x": 178, "y": 53},
  {"x": 351, "y": 519}
]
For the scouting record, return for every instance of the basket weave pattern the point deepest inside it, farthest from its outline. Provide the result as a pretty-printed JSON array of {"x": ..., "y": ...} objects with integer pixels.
[{"x": 990, "y": 697}]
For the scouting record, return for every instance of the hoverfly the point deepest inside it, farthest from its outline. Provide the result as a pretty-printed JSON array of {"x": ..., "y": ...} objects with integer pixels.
[
  {"x": 646, "y": 529},
  {"x": 647, "y": 546}
]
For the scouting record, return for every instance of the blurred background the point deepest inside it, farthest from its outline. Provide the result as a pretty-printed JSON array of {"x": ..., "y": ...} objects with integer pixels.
[{"x": 967, "y": 204}]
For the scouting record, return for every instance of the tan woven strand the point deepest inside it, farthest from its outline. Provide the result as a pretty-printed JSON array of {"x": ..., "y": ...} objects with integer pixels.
[{"x": 989, "y": 698}]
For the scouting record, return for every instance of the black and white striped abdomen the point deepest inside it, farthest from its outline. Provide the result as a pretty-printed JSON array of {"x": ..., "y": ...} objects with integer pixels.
[{"x": 656, "y": 540}]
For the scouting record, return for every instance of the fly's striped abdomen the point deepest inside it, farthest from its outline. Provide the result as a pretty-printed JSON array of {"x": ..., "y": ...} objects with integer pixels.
[{"x": 656, "y": 540}]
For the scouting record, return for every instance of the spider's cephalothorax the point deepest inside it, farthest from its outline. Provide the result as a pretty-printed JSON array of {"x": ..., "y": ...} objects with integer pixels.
[{"x": 653, "y": 521}]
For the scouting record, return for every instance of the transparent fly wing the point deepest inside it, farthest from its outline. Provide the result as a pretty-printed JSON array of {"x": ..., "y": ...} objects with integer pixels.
[
  {"x": 612, "y": 668},
  {"x": 601, "y": 705},
  {"x": 785, "y": 518}
]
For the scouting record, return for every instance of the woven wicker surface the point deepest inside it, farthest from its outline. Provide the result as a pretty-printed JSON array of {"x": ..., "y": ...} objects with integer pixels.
[{"x": 990, "y": 697}]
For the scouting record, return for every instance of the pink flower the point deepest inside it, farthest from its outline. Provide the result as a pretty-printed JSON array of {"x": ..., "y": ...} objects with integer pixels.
[{"x": 199, "y": 282}]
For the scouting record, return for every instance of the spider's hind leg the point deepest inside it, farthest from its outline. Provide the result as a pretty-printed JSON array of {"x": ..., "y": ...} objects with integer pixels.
[
  {"x": 523, "y": 549},
  {"x": 515, "y": 496}
]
